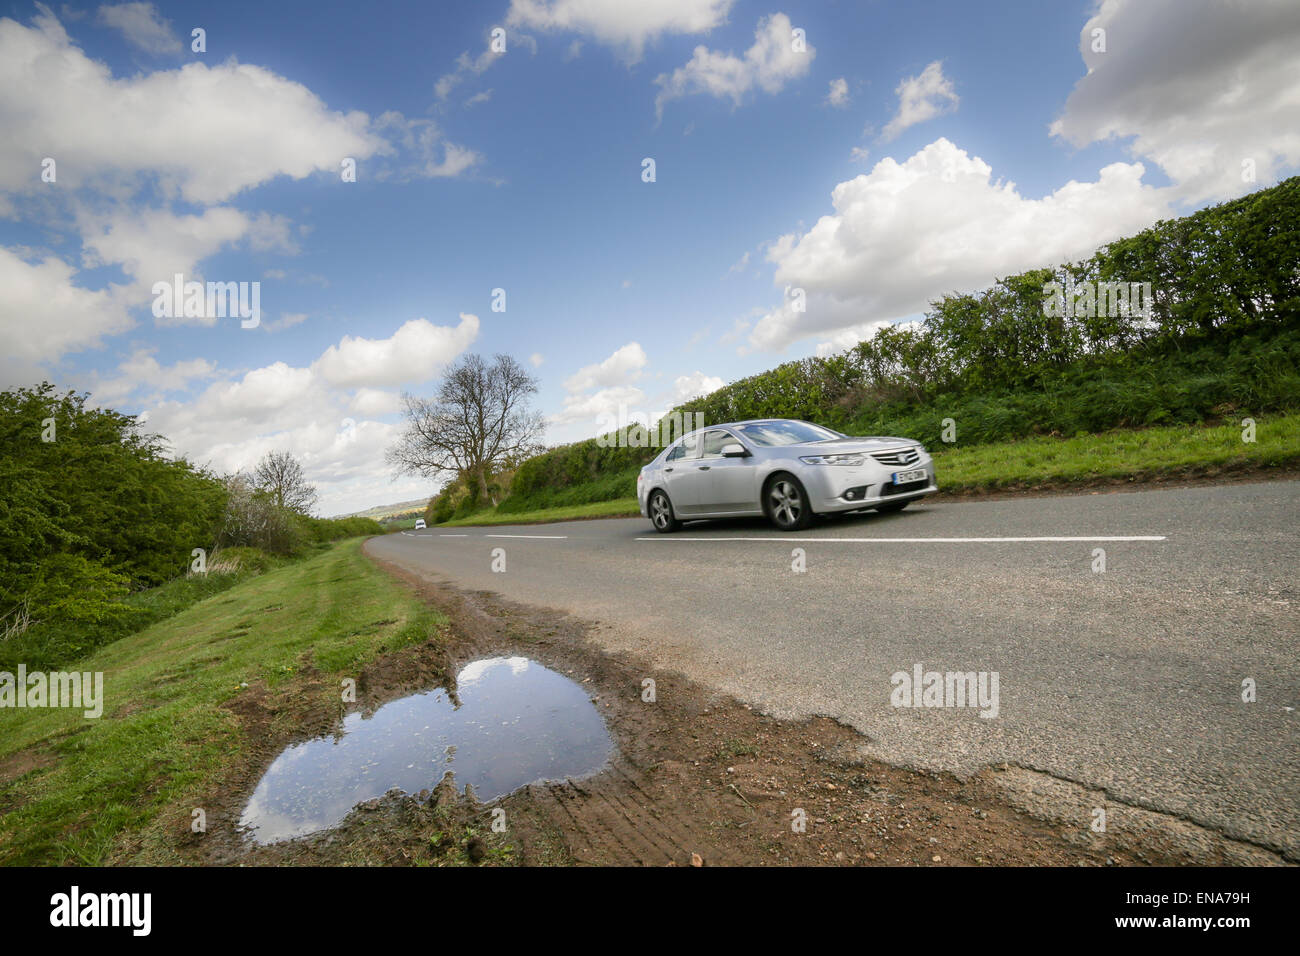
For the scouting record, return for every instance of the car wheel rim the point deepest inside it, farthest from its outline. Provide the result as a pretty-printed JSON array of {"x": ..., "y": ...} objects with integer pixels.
[
  {"x": 786, "y": 503},
  {"x": 660, "y": 512}
]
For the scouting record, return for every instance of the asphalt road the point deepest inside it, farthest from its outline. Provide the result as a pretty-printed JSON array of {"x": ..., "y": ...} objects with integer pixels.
[{"x": 1128, "y": 680}]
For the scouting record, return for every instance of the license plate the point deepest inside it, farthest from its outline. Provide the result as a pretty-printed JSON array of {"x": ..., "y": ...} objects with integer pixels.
[{"x": 903, "y": 477}]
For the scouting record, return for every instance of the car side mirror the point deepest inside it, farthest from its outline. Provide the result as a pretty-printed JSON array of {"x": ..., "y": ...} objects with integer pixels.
[{"x": 735, "y": 451}]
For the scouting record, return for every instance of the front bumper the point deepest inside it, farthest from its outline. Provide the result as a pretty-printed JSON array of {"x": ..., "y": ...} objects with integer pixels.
[{"x": 835, "y": 488}]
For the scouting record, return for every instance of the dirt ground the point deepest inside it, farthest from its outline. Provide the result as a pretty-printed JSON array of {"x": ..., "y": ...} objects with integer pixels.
[{"x": 696, "y": 779}]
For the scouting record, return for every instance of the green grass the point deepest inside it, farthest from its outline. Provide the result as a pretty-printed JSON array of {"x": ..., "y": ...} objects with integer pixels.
[
  {"x": 111, "y": 790},
  {"x": 1137, "y": 453},
  {"x": 49, "y": 646},
  {"x": 618, "y": 508}
]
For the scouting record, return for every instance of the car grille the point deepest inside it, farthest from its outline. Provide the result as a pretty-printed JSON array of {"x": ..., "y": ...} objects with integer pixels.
[{"x": 903, "y": 456}]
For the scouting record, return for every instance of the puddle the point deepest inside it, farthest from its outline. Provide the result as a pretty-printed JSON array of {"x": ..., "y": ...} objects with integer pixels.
[{"x": 517, "y": 723}]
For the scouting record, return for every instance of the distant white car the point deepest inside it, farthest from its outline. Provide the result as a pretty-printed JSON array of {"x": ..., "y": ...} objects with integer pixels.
[{"x": 419, "y": 524}]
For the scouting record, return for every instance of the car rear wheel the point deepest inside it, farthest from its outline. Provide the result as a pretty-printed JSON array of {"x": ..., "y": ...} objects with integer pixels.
[
  {"x": 787, "y": 504},
  {"x": 661, "y": 513},
  {"x": 892, "y": 507}
]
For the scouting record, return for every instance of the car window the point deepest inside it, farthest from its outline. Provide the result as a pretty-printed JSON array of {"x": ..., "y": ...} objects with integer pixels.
[
  {"x": 785, "y": 432},
  {"x": 714, "y": 441},
  {"x": 691, "y": 445},
  {"x": 674, "y": 453}
]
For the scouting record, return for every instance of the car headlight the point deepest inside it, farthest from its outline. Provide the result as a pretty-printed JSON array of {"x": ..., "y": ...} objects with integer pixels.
[{"x": 851, "y": 459}]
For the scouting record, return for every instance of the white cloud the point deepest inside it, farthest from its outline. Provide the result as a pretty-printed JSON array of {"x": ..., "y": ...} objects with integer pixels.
[
  {"x": 141, "y": 371},
  {"x": 624, "y": 365},
  {"x": 57, "y": 102},
  {"x": 478, "y": 98},
  {"x": 142, "y": 26},
  {"x": 629, "y": 26},
  {"x": 768, "y": 65},
  {"x": 847, "y": 338},
  {"x": 922, "y": 98},
  {"x": 695, "y": 385},
  {"x": 604, "y": 404},
  {"x": 287, "y": 320},
  {"x": 614, "y": 393},
  {"x": 157, "y": 132},
  {"x": 909, "y": 232},
  {"x": 536, "y": 359},
  {"x": 152, "y": 245},
  {"x": 425, "y": 153},
  {"x": 262, "y": 395},
  {"x": 324, "y": 413},
  {"x": 44, "y": 315},
  {"x": 1199, "y": 86},
  {"x": 376, "y": 401},
  {"x": 740, "y": 265},
  {"x": 839, "y": 93},
  {"x": 414, "y": 353},
  {"x": 233, "y": 424},
  {"x": 858, "y": 154},
  {"x": 467, "y": 66}
]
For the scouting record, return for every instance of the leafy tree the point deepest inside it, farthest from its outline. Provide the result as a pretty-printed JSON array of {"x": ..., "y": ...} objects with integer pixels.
[
  {"x": 479, "y": 423},
  {"x": 280, "y": 476}
]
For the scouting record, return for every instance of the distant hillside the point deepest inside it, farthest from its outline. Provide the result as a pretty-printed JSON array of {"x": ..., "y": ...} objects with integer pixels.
[{"x": 389, "y": 511}]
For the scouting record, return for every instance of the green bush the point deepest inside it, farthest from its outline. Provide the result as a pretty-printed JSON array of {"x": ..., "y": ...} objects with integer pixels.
[{"x": 92, "y": 507}]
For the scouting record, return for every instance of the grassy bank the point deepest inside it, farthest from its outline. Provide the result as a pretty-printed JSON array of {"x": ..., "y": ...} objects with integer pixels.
[
  {"x": 1140, "y": 454},
  {"x": 617, "y": 508},
  {"x": 95, "y": 791}
]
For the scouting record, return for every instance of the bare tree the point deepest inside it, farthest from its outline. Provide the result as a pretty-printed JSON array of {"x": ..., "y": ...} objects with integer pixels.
[
  {"x": 279, "y": 475},
  {"x": 479, "y": 421}
]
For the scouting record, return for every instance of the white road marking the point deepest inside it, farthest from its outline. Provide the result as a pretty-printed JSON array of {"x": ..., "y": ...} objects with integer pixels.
[
  {"x": 1132, "y": 537},
  {"x": 453, "y": 536},
  {"x": 549, "y": 537}
]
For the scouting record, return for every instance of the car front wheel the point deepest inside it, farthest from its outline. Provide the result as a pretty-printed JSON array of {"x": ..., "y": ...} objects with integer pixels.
[
  {"x": 661, "y": 513},
  {"x": 787, "y": 504}
]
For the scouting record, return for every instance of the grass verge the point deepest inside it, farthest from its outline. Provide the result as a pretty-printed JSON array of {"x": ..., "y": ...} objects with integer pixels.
[
  {"x": 1175, "y": 451},
  {"x": 617, "y": 508},
  {"x": 90, "y": 791}
]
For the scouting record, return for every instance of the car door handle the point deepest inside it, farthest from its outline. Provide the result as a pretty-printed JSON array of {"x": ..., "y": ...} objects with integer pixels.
[
  {"x": 667, "y": 469},
  {"x": 704, "y": 467}
]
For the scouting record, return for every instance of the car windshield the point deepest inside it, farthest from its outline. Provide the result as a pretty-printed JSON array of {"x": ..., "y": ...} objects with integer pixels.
[{"x": 785, "y": 433}]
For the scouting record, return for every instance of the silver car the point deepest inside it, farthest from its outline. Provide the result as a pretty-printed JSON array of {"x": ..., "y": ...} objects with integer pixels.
[{"x": 787, "y": 470}]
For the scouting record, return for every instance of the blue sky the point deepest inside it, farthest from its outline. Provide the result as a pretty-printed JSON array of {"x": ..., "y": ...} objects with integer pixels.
[{"x": 905, "y": 151}]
